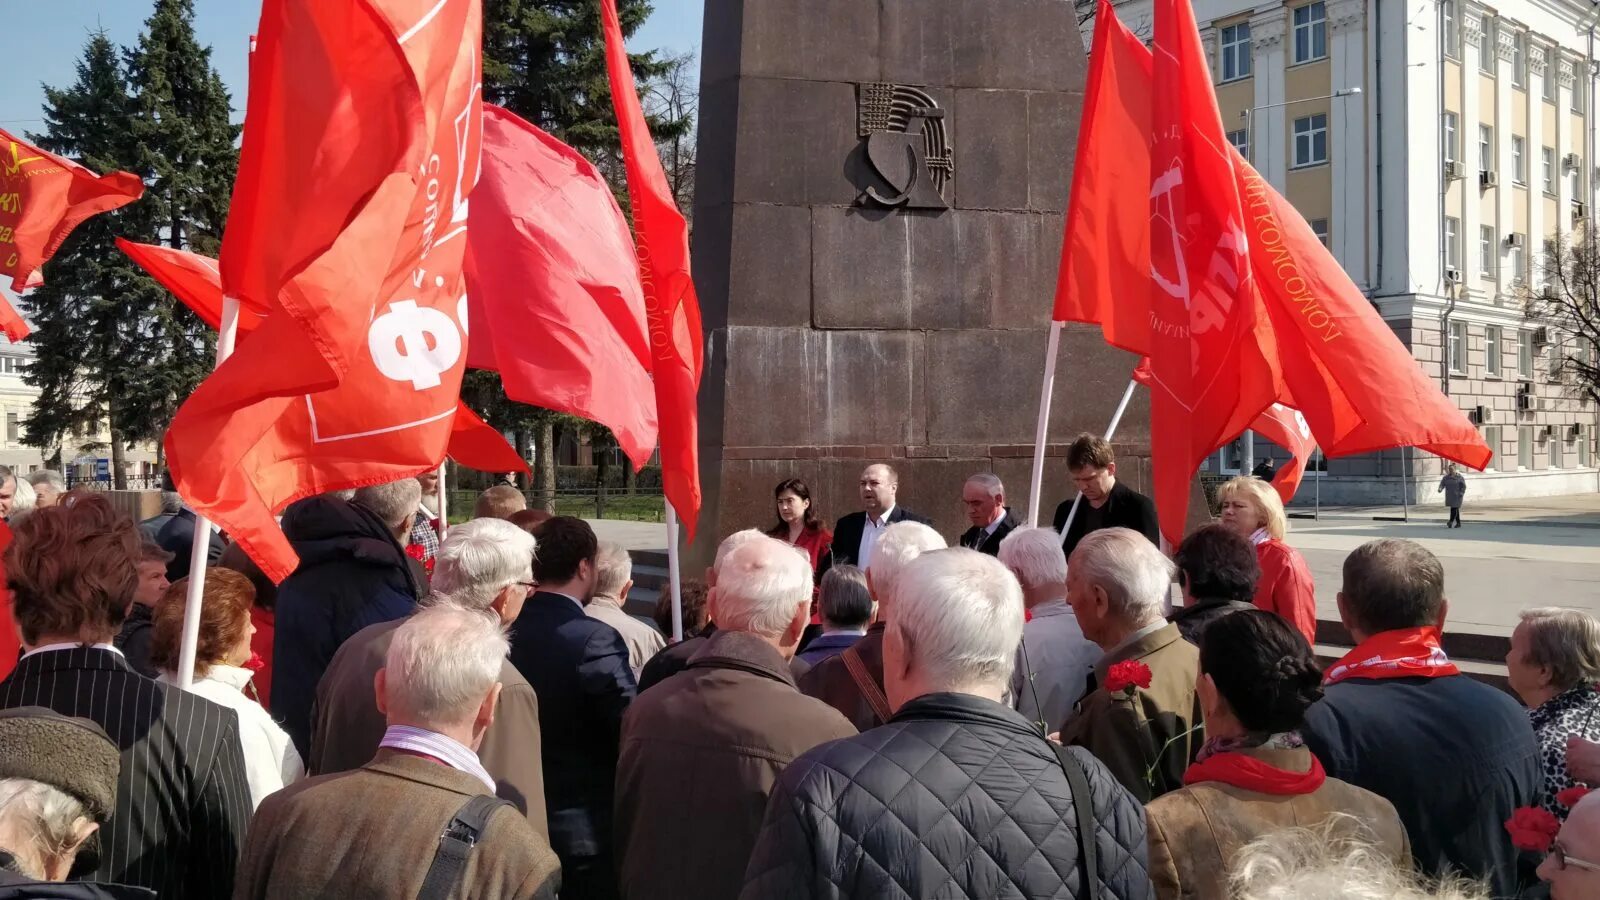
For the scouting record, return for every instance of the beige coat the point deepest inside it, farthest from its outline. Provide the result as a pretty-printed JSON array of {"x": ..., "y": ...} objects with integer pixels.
[
  {"x": 372, "y": 833},
  {"x": 1196, "y": 831},
  {"x": 642, "y": 640}
]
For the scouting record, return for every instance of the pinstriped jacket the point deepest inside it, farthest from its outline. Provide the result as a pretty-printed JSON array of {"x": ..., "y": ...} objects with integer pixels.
[{"x": 182, "y": 797}]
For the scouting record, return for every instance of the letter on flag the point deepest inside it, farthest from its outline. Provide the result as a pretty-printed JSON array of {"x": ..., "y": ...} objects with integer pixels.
[
  {"x": 1288, "y": 429},
  {"x": 42, "y": 198}
]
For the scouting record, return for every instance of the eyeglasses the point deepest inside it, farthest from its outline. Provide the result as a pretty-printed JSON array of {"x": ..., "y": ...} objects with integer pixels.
[
  {"x": 1559, "y": 854},
  {"x": 530, "y": 585}
]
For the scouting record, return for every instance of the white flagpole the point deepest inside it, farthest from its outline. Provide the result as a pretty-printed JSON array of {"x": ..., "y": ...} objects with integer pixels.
[
  {"x": 1111, "y": 430},
  {"x": 673, "y": 577},
  {"x": 1046, "y": 393},
  {"x": 439, "y": 502},
  {"x": 202, "y": 527}
]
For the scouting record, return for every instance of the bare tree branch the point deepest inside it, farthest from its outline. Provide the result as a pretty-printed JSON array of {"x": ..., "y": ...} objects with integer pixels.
[{"x": 1568, "y": 304}]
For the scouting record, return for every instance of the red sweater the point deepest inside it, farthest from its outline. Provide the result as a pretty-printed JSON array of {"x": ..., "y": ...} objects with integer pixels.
[{"x": 1286, "y": 588}]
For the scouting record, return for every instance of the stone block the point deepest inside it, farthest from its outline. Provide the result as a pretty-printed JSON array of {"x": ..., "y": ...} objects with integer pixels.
[
  {"x": 992, "y": 162},
  {"x": 1052, "y": 148},
  {"x": 1007, "y": 264},
  {"x": 830, "y": 40},
  {"x": 794, "y": 140},
  {"x": 715, "y": 145},
  {"x": 769, "y": 270},
  {"x": 872, "y": 269}
]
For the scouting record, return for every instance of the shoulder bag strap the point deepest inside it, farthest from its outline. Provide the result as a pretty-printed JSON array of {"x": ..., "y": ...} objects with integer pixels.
[
  {"x": 1083, "y": 807},
  {"x": 869, "y": 688},
  {"x": 465, "y": 830}
]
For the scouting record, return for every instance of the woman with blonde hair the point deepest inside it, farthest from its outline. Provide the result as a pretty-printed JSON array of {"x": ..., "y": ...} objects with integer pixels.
[{"x": 1251, "y": 509}]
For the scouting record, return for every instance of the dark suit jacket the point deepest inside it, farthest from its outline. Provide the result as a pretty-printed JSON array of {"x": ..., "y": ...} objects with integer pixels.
[
  {"x": 182, "y": 797},
  {"x": 847, "y": 535},
  {"x": 1125, "y": 508},
  {"x": 578, "y": 667},
  {"x": 831, "y": 682},
  {"x": 177, "y": 537},
  {"x": 674, "y": 659},
  {"x": 975, "y": 539}
]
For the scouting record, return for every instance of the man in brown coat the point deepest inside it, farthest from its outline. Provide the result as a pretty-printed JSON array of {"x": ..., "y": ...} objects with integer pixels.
[
  {"x": 485, "y": 565},
  {"x": 1146, "y": 735},
  {"x": 852, "y": 682},
  {"x": 375, "y": 832},
  {"x": 704, "y": 748}
]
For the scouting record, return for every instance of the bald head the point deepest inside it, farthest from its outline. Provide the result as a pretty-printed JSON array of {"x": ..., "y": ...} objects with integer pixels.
[
  {"x": 879, "y": 484},
  {"x": 1580, "y": 840}
]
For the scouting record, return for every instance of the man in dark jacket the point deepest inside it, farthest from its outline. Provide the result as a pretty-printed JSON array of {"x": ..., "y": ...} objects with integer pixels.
[
  {"x": 1107, "y": 502},
  {"x": 353, "y": 573},
  {"x": 675, "y": 658},
  {"x": 984, "y": 496},
  {"x": 707, "y": 746},
  {"x": 855, "y": 535},
  {"x": 139, "y": 627},
  {"x": 1218, "y": 571},
  {"x": 958, "y": 795},
  {"x": 578, "y": 667},
  {"x": 1455, "y": 756},
  {"x": 177, "y": 537}
]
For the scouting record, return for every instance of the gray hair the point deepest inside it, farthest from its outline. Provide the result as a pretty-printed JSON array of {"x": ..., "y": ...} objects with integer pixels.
[
  {"x": 47, "y": 476},
  {"x": 1328, "y": 863},
  {"x": 899, "y": 544},
  {"x": 23, "y": 498},
  {"x": 761, "y": 586},
  {"x": 733, "y": 542},
  {"x": 843, "y": 598},
  {"x": 442, "y": 663},
  {"x": 989, "y": 481},
  {"x": 171, "y": 503},
  {"x": 1136, "y": 576},
  {"x": 1035, "y": 556},
  {"x": 478, "y": 560},
  {"x": 47, "y": 816},
  {"x": 395, "y": 502},
  {"x": 959, "y": 614},
  {"x": 1565, "y": 640},
  {"x": 613, "y": 567}
]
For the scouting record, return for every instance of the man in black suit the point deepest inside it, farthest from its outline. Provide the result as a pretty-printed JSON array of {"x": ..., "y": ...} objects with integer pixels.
[
  {"x": 182, "y": 797},
  {"x": 1107, "y": 502},
  {"x": 984, "y": 496},
  {"x": 856, "y": 534},
  {"x": 578, "y": 667}
]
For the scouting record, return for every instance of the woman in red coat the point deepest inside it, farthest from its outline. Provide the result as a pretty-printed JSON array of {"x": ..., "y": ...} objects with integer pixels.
[
  {"x": 799, "y": 524},
  {"x": 1251, "y": 508}
]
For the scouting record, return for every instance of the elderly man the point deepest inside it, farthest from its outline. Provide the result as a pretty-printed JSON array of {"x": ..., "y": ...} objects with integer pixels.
[
  {"x": 8, "y": 491},
  {"x": 1146, "y": 734},
  {"x": 1469, "y": 758},
  {"x": 353, "y": 573},
  {"x": 425, "y": 524},
  {"x": 856, "y": 536},
  {"x": 133, "y": 639},
  {"x": 1107, "y": 502},
  {"x": 1573, "y": 866},
  {"x": 707, "y": 746},
  {"x": 381, "y": 830},
  {"x": 673, "y": 659},
  {"x": 48, "y": 486},
  {"x": 613, "y": 580},
  {"x": 958, "y": 795},
  {"x": 171, "y": 505},
  {"x": 846, "y": 605},
  {"x": 984, "y": 497},
  {"x": 485, "y": 565},
  {"x": 499, "y": 502},
  {"x": 1054, "y": 658},
  {"x": 852, "y": 682}
]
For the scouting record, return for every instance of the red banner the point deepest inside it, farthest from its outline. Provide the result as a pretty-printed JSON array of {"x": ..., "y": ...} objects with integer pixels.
[
  {"x": 42, "y": 198},
  {"x": 1288, "y": 429}
]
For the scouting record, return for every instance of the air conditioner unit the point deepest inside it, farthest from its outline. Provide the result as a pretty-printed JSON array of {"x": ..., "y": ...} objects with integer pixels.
[
  {"x": 1570, "y": 161},
  {"x": 1541, "y": 335},
  {"x": 1574, "y": 431},
  {"x": 1486, "y": 178},
  {"x": 1452, "y": 170},
  {"x": 1579, "y": 212},
  {"x": 1481, "y": 415},
  {"x": 1524, "y": 401},
  {"x": 1514, "y": 240},
  {"x": 1452, "y": 275},
  {"x": 1548, "y": 431}
]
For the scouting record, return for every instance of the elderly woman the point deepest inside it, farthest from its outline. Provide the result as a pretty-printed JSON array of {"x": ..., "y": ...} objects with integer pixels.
[
  {"x": 1251, "y": 509},
  {"x": 1254, "y": 775},
  {"x": 58, "y": 785},
  {"x": 270, "y": 759},
  {"x": 1554, "y": 665}
]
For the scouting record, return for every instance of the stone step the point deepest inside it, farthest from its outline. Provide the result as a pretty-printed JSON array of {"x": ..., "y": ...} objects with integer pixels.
[
  {"x": 654, "y": 577},
  {"x": 656, "y": 558},
  {"x": 642, "y": 602}
]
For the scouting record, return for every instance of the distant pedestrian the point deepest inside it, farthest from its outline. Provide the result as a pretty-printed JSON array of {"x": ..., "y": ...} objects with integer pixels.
[
  {"x": 1455, "y": 490},
  {"x": 1264, "y": 470}
]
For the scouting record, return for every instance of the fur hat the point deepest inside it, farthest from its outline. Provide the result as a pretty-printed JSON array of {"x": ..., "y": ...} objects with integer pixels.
[{"x": 73, "y": 755}]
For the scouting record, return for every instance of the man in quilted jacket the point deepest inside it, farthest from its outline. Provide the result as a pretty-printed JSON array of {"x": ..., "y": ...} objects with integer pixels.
[{"x": 957, "y": 795}]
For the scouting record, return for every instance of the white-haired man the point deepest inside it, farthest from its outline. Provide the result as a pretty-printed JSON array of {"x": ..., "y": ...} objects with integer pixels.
[
  {"x": 1054, "y": 658},
  {"x": 485, "y": 565},
  {"x": 613, "y": 579},
  {"x": 381, "y": 830},
  {"x": 958, "y": 795},
  {"x": 852, "y": 682},
  {"x": 673, "y": 659},
  {"x": 707, "y": 745},
  {"x": 1143, "y": 724},
  {"x": 48, "y": 485},
  {"x": 984, "y": 498}
]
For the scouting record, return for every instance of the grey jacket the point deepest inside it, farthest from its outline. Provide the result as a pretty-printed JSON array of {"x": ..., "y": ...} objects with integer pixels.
[
  {"x": 1053, "y": 665},
  {"x": 1454, "y": 487}
]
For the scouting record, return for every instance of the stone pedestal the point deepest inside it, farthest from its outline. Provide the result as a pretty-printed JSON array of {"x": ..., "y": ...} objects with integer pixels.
[{"x": 844, "y": 331}]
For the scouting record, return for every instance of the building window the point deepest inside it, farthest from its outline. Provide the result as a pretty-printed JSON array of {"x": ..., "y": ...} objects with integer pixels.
[
  {"x": 1491, "y": 351},
  {"x": 1547, "y": 165},
  {"x": 1452, "y": 140},
  {"x": 1319, "y": 227},
  {"x": 1519, "y": 159},
  {"x": 1486, "y": 55},
  {"x": 1519, "y": 61},
  {"x": 1519, "y": 259},
  {"x": 1310, "y": 32},
  {"x": 1486, "y": 252},
  {"x": 1556, "y": 462},
  {"x": 1583, "y": 446},
  {"x": 1525, "y": 355},
  {"x": 13, "y": 427},
  {"x": 1452, "y": 29},
  {"x": 1241, "y": 142},
  {"x": 1311, "y": 139},
  {"x": 1491, "y": 436},
  {"x": 1236, "y": 51},
  {"x": 1525, "y": 447},
  {"x": 1452, "y": 244},
  {"x": 1576, "y": 179},
  {"x": 1457, "y": 348},
  {"x": 12, "y": 365},
  {"x": 1486, "y": 148}
]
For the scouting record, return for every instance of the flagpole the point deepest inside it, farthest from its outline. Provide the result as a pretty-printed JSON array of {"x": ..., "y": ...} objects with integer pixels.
[
  {"x": 439, "y": 502},
  {"x": 1111, "y": 430},
  {"x": 1316, "y": 453},
  {"x": 1046, "y": 393},
  {"x": 675, "y": 582}
]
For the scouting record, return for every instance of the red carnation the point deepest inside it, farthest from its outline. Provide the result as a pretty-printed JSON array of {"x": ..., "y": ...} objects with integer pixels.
[
  {"x": 416, "y": 552},
  {"x": 1126, "y": 675},
  {"x": 1570, "y": 797},
  {"x": 1532, "y": 828}
]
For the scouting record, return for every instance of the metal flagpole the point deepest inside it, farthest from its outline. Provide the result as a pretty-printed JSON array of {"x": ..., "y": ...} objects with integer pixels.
[
  {"x": 674, "y": 580},
  {"x": 440, "y": 499},
  {"x": 1111, "y": 430},
  {"x": 1316, "y": 453},
  {"x": 1405, "y": 487},
  {"x": 1036, "y": 484}
]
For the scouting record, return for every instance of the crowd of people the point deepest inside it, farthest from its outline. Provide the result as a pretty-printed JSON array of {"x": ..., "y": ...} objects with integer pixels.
[{"x": 867, "y": 710}]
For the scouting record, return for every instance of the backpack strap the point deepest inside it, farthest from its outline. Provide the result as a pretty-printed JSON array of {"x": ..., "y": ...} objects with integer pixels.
[
  {"x": 467, "y": 827},
  {"x": 1083, "y": 807},
  {"x": 863, "y": 679}
]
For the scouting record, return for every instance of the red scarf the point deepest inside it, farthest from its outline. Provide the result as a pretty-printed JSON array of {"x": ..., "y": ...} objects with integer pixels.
[
  {"x": 1252, "y": 774},
  {"x": 1405, "y": 653}
]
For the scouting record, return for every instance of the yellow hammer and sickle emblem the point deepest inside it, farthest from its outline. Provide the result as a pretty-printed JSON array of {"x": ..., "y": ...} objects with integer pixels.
[{"x": 14, "y": 167}]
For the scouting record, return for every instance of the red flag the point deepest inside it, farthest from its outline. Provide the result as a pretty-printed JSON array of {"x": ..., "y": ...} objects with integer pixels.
[
  {"x": 1288, "y": 429},
  {"x": 1108, "y": 221},
  {"x": 553, "y": 285},
  {"x": 42, "y": 198},
  {"x": 16, "y": 328},
  {"x": 1212, "y": 373},
  {"x": 347, "y": 225},
  {"x": 673, "y": 310},
  {"x": 10, "y": 641}
]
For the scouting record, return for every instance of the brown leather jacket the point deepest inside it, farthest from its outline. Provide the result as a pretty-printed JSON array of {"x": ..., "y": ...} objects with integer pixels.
[{"x": 1196, "y": 831}]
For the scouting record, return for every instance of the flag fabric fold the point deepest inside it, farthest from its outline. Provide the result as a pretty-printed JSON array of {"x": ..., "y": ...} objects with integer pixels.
[
  {"x": 673, "y": 311},
  {"x": 15, "y": 327},
  {"x": 1288, "y": 429}
]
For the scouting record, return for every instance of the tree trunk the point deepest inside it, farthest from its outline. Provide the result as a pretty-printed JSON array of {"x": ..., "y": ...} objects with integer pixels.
[
  {"x": 524, "y": 445},
  {"x": 602, "y": 469},
  {"x": 546, "y": 461},
  {"x": 119, "y": 462},
  {"x": 630, "y": 478}
]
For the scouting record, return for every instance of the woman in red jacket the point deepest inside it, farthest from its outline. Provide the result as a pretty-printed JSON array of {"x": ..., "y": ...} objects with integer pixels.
[{"x": 1251, "y": 508}]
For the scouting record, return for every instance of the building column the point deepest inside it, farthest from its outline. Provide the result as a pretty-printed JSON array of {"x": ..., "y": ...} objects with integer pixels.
[
  {"x": 1471, "y": 164},
  {"x": 1268, "y": 131},
  {"x": 1537, "y": 141},
  {"x": 1566, "y": 142},
  {"x": 1348, "y": 138},
  {"x": 1505, "y": 50}
]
